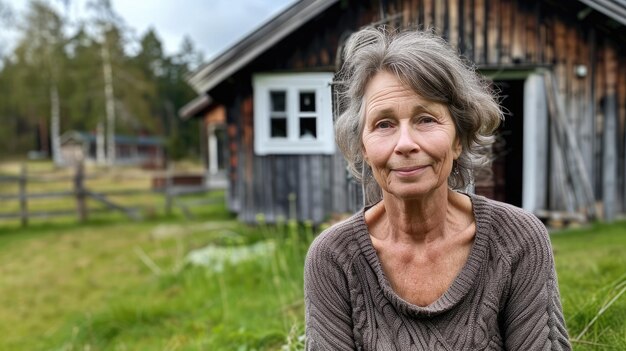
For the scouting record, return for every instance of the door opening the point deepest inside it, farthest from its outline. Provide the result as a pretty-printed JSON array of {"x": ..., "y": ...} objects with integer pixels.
[{"x": 505, "y": 183}]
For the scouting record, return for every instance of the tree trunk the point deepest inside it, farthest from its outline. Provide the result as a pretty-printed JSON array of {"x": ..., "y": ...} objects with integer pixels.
[{"x": 110, "y": 104}]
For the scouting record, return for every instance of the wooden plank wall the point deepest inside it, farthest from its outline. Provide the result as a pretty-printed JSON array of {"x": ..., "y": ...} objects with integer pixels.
[
  {"x": 290, "y": 187},
  {"x": 232, "y": 133},
  {"x": 279, "y": 187},
  {"x": 494, "y": 34},
  {"x": 491, "y": 32}
]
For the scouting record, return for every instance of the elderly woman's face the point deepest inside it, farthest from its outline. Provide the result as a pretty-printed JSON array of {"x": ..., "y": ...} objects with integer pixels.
[{"x": 409, "y": 142}]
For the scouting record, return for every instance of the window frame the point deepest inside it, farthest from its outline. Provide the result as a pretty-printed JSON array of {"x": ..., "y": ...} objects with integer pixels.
[{"x": 293, "y": 84}]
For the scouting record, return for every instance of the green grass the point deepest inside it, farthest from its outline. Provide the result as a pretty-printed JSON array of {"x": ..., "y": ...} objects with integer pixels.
[
  {"x": 115, "y": 284},
  {"x": 591, "y": 267},
  {"x": 77, "y": 287},
  {"x": 87, "y": 287}
]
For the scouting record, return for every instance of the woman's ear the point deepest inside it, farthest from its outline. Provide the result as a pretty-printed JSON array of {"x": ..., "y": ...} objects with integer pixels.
[
  {"x": 365, "y": 158},
  {"x": 457, "y": 148}
]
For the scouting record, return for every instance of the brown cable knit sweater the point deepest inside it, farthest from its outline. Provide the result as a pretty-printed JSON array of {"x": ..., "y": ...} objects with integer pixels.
[{"x": 505, "y": 297}]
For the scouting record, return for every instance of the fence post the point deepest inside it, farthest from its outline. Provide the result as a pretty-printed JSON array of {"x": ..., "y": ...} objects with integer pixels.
[
  {"x": 79, "y": 190},
  {"x": 23, "y": 197},
  {"x": 169, "y": 193}
]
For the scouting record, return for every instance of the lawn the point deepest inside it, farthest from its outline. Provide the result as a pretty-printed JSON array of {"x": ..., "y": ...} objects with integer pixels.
[
  {"x": 128, "y": 286},
  {"x": 116, "y": 284},
  {"x": 591, "y": 267}
]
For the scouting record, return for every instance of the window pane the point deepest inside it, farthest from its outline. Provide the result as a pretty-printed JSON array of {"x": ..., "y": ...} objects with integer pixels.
[
  {"x": 308, "y": 128},
  {"x": 307, "y": 101},
  {"x": 278, "y": 128},
  {"x": 277, "y": 100}
]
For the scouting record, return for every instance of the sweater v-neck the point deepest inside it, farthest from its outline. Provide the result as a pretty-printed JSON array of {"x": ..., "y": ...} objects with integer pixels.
[{"x": 461, "y": 284}]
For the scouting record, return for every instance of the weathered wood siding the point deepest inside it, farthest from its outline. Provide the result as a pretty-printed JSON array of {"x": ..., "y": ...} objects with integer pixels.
[
  {"x": 557, "y": 36},
  {"x": 280, "y": 187}
]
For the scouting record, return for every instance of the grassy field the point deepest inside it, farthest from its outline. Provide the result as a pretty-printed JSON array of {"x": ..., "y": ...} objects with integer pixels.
[
  {"x": 591, "y": 267},
  {"x": 128, "y": 286},
  {"x": 115, "y": 284}
]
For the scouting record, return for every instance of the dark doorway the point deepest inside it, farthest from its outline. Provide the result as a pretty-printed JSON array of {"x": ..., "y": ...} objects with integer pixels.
[{"x": 505, "y": 184}]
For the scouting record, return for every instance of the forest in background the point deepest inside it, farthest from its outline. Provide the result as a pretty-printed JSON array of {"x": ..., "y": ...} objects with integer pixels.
[{"x": 59, "y": 67}]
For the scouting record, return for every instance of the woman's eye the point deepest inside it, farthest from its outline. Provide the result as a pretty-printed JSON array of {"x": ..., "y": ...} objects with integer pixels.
[
  {"x": 384, "y": 125},
  {"x": 427, "y": 119}
]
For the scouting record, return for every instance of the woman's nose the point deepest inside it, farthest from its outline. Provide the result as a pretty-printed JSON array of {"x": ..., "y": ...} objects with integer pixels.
[{"x": 407, "y": 141}]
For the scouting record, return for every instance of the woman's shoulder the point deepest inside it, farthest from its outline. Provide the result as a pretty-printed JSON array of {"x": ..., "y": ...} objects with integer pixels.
[
  {"x": 511, "y": 226},
  {"x": 503, "y": 215}
]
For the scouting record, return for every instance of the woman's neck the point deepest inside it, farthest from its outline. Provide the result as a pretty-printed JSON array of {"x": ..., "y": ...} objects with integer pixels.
[{"x": 418, "y": 221}]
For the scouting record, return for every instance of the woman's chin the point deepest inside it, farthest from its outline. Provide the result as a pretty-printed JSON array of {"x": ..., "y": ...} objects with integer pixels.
[{"x": 411, "y": 192}]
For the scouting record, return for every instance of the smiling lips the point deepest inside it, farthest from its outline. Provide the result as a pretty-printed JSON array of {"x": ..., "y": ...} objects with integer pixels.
[{"x": 408, "y": 171}]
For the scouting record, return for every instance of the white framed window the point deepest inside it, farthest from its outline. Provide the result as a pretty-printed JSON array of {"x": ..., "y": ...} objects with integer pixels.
[{"x": 293, "y": 113}]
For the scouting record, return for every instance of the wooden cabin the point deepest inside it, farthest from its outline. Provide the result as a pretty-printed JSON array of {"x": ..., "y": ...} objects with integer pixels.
[{"x": 560, "y": 67}]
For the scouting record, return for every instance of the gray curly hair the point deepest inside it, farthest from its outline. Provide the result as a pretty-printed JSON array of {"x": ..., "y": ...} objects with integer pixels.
[{"x": 426, "y": 64}]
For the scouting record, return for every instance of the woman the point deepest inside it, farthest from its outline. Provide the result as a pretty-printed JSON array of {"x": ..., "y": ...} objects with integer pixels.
[{"x": 424, "y": 266}]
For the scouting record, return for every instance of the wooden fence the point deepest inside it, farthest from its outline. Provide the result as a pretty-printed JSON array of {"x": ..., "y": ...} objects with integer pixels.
[{"x": 164, "y": 183}]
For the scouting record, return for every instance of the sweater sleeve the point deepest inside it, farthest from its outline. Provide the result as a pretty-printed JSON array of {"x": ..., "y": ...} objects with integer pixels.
[
  {"x": 327, "y": 301},
  {"x": 533, "y": 318}
]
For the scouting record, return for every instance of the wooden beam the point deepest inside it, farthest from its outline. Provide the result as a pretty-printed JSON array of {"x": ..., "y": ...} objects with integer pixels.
[
  {"x": 519, "y": 32},
  {"x": 468, "y": 30},
  {"x": 506, "y": 30},
  {"x": 609, "y": 159},
  {"x": 406, "y": 15},
  {"x": 586, "y": 132},
  {"x": 494, "y": 22},
  {"x": 439, "y": 16},
  {"x": 428, "y": 13},
  {"x": 79, "y": 190},
  {"x": 560, "y": 40},
  {"x": 131, "y": 213},
  {"x": 531, "y": 29},
  {"x": 453, "y": 23},
  {"x": 479, "y": 31}
]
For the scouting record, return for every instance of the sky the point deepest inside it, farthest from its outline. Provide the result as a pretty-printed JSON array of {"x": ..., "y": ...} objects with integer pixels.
[{"x": 212, "y": 25}]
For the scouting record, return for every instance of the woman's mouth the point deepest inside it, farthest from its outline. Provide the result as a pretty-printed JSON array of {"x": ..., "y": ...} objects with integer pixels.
[{"x": 409, "y": 171}]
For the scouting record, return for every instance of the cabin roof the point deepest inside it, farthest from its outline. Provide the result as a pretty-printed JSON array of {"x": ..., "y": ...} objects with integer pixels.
[
  {"x": 195, "y": 106},
  {"x": 250, "y": 47},
  {"x": 614, "y": 9}
]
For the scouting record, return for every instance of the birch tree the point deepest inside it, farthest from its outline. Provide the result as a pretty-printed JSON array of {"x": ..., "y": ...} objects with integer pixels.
[{"x": 38, "y": 63}]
